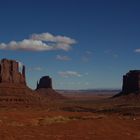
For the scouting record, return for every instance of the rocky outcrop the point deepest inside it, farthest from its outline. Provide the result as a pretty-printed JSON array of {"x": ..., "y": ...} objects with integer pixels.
[
  {"x": 44, "y": 82},
  {"x": 44, "y": 89},
  {"x": 131, "y": 83},
  {"x": 9, "y": 72},
  {"x": 13, "y": 88}
]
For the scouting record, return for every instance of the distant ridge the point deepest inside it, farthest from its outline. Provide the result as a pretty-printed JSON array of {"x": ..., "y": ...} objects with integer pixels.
[{"x": 90, "y": 91}]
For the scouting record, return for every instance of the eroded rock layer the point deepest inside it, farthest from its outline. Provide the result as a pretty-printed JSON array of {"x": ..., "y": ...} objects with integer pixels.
[
  {"x": 9, "y": 72},
  {"x": 13, "y": 88}
]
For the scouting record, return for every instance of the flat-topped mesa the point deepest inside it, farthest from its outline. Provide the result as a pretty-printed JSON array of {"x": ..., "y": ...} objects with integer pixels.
[
  {"x": 44, "y": 82},
  {"x": 9, "y": 72},
  {"x": 131, "y": 82}
]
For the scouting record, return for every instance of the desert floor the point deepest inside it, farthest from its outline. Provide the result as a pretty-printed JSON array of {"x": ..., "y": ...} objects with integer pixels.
[{"x": 79, "y": 117}]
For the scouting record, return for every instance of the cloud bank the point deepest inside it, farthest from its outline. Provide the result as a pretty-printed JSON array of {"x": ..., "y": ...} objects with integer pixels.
[
  {"x": 40, "y": 42},
  {"x": 67, "y": 74}
]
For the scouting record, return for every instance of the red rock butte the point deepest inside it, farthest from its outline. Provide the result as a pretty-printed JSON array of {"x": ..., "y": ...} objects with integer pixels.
[
  {"x": 131, "y": 83},
  {"x": 10, "y": 75},
  {"x": 44, "y": 89},
  {"x": 44, "y": 82},
  {"x": 13, "y": 88}
]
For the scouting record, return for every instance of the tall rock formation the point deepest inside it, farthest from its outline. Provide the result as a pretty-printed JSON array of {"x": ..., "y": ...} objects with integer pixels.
[
  {"x": 13, "y": 88},
  {"x": 131, "y": 83},
  {"x": 44, "y": 89},
  {"x": 44, "y": 82},
  {"x": 9, "y": 73}
]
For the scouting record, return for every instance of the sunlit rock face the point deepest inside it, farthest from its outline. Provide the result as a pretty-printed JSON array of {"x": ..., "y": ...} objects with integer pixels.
[
  {"x": 9, "y": 72},
  {"x": 13, "y": 88}
]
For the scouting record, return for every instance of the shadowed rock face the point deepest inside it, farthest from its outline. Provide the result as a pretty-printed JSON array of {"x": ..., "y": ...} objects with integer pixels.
[
  {"x": 131, "y": 82},
  {"x": 9, "y": 72},
  {"x": 44, "y": 82},
  {"x": 44, "y": 89}
]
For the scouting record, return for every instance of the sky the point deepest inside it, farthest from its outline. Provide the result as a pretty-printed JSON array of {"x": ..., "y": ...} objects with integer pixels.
[{"x": 81, "y": 44}]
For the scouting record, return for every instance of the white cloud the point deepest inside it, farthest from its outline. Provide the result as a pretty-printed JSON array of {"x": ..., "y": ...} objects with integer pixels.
[
  {"x": 108, "y": 51},
  {"x": 86, "y": 83},
  {"x": 111, "y": 53},
  {"x": 85, "y": 59},
  {"x": 40, "y": 42},
  {"x": 137, "y": 50},
  {"x": 52, "y": 38},
  {"x": 115, "y": 55},
  {"x": 87, "y": 56},
  {"x": 89, "y": 52},
  {"x": 86, "y": 73},
  {"x": 36, "y": 69},
  {"x": 63, "y": 58},
  {"x": 67, "y": 74}
]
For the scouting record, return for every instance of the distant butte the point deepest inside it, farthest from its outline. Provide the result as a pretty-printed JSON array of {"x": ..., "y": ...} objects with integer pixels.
[
  {"x": 44, "y": 88},
  {"x": 44, "y": 82},
  {"x": 131, "y": 83}
]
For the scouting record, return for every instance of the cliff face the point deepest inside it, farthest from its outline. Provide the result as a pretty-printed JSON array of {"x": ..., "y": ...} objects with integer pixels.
[
  {"x": 131, "y": 82},
  {"x": 44, "y": 82},
  {"x": 9, "y": 72},
  {"x": 13, "y": 88}
]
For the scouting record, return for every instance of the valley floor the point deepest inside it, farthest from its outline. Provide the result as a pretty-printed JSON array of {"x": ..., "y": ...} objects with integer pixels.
[{"x": 73, "y": 119}]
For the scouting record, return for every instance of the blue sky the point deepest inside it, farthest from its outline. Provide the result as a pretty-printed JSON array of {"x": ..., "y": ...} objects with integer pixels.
[{"x": 81, "y": 44}]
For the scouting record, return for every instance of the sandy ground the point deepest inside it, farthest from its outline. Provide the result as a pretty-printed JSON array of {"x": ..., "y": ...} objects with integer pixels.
[{"x": 73, "y": 119}]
